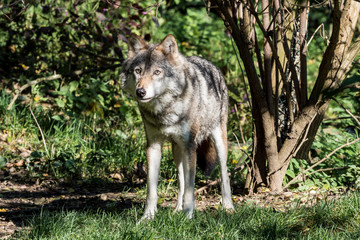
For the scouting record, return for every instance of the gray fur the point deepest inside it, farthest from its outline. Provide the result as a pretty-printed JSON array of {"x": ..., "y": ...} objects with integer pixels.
[{"x": 183, "y": 104}]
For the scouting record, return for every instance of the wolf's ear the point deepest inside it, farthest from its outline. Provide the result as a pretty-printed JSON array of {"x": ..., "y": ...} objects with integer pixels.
[
  {"x": 168, "y": 46},
  {"x": 136, "y": 44}
]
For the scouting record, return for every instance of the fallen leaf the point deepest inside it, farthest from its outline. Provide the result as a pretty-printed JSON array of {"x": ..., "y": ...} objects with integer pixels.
[{"x": 20, "y": 163}]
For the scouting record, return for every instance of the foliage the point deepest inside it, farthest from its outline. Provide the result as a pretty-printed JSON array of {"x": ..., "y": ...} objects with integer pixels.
[
  {"x": 91, "y": 128},
  {"x": 77, "y": 148},
  {"x": 343, "y": 168}
]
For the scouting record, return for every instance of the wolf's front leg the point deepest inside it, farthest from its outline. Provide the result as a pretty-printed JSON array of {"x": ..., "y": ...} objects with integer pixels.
[
  {"x": 189, "y": 165},
  {"x": 153, "y": 155},
  {"x": 178, "y": 157}
]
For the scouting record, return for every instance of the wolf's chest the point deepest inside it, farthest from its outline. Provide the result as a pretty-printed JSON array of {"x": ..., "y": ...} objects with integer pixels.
[{"x": 170, "y": 124}]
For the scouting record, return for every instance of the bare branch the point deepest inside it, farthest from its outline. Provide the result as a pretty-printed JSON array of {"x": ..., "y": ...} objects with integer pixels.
[
  {"x": 93, "y": 54},
  {"x": 348, "y": 111},
  {"x": 322, "y": 160},
  {"x": 293, "y": 73},
  {"x": 41, "y": 132},
  {"x": 10, "y": 5},
  {"x": 34, "y": 82},
  {"x": 267, "y": 85},
  {"x": 321, "y": 26},
  {"x": 303, "y": 52},
  {"x": 336, "y": 61},
  {"x": 243, "y": 76}
]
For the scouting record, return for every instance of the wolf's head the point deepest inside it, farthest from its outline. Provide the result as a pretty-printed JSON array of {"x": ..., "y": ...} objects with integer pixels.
[{"x": 152, "y": 71}]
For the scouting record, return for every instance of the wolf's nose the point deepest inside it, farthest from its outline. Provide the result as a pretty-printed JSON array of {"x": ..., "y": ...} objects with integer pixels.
[{"x": 140, "y": 92}]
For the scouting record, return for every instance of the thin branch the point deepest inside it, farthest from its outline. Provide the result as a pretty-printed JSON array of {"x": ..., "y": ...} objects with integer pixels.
[
  {"x": 217, "y": 181},
  {"x": 41, "y": 132},
  {"x": 237, "y": 140},
  {"x": 258, "y": 55},
  {"x": 93, "y": 54},
  {"x": 271, "y": 44},
  {"x": 321, "y": 26},
  {"x": 348, "y": 111},
  {"x": 322, "y": 160},
  {"x": 303, "y": 52},
  {"x": 337, "y": 118},
  {"x": 10, "y": 5},
  {"x": 238, "y": 117},
  {"x": 280, "y": 21},
  {"x": 242, "y": 73},
  {"x": 327, "y": 169},
  {"x": 34, "y": 82},
  {"x": 268, "y": 52}
]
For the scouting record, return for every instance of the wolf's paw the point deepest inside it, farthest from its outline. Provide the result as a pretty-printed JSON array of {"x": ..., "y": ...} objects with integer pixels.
[
  {"x": 189, "y": 213},
  {"x": 148, "y": 215},
  {"x": 178, "y": 208},
  {"x": 230, "y": 210},
  {"x": 145, "y": 218},
  {"x": 229, "y": 207}
]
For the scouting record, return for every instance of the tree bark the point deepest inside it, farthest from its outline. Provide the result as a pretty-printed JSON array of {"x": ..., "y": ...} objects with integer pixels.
[
  {"x": 304, "y": 11},
  {"x": 270, "y": 159},
  {"x": 335, "y": 68}
]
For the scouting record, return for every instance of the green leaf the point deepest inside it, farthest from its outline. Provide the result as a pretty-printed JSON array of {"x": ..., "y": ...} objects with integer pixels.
[
  {"x": 73, "y": 86},
  {"x": 290, "y": 174},
  {"x": 57, "y": 118},
  {"x": 70, "y": 165},
  {"x": 63, "y": 90},
  {"x": 57, "y": 164},
  {"x": 103, "y": 88},
  {"x": 2, "y": 161},
  {"x": 60, "y": 102},
  {"x": 121, "y": 134},
  {"x": 36, "y": 154}
]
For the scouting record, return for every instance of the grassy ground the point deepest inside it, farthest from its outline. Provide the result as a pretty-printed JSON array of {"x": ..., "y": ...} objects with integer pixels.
[
  {"x": 84, "y": 149},
  {"x": 327, "y": 220}
]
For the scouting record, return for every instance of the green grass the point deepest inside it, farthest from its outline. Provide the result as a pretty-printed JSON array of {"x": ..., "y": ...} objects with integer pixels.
[{"x": 327, "y": 220}]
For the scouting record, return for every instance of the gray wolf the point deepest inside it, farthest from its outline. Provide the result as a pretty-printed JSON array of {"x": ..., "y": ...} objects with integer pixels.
[{"x": 183, "y": 100}]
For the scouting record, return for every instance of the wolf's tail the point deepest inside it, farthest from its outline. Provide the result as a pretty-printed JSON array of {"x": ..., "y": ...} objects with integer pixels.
[{"x": 206, "y": 156}]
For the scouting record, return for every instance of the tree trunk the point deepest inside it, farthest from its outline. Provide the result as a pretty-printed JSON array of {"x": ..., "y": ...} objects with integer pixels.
[
  {"x": 304, "y": 149},
  {"x": 271, "y": 157}
]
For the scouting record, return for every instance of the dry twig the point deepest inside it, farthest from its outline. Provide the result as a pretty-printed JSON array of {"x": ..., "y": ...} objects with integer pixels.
[
  {"x": 41, "y": 132},
  {"x": 348, "y": 111},
  {"x": 322, "y": 160}
]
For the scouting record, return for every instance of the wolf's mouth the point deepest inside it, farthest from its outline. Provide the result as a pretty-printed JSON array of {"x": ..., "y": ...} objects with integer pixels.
[{"x": 144, "y": 100}]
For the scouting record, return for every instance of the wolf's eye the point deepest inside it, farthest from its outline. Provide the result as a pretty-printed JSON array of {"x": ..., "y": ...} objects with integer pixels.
[
  {"x": 157, "y": 72},
  {"x": 138, "y": 70}
]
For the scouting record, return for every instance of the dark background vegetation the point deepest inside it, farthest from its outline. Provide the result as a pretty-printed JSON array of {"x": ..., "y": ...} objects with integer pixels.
[
  {"x": 71, "y": 121},
  {"x": 76, "y": 140}
]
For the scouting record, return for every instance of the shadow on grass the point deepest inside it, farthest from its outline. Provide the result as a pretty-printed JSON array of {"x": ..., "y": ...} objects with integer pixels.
[{"x": 21, "y": 202}]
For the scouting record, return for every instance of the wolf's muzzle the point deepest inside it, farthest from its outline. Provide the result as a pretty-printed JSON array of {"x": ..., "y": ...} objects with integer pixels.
[{"x": 140, "y": 92}]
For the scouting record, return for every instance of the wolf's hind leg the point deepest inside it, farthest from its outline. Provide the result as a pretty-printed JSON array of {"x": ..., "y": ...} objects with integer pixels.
[
  {"x": 153, "y": 155},
  {"x": 178, "y": 157},
  {"x": 219, "y": 135}
]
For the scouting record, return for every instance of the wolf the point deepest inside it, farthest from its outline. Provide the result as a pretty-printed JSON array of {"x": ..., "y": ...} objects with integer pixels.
[{"x": 183, "y": 100}]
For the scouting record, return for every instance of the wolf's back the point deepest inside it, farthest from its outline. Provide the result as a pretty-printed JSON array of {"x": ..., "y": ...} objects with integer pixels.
[{"x": 216, "y": 90}]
